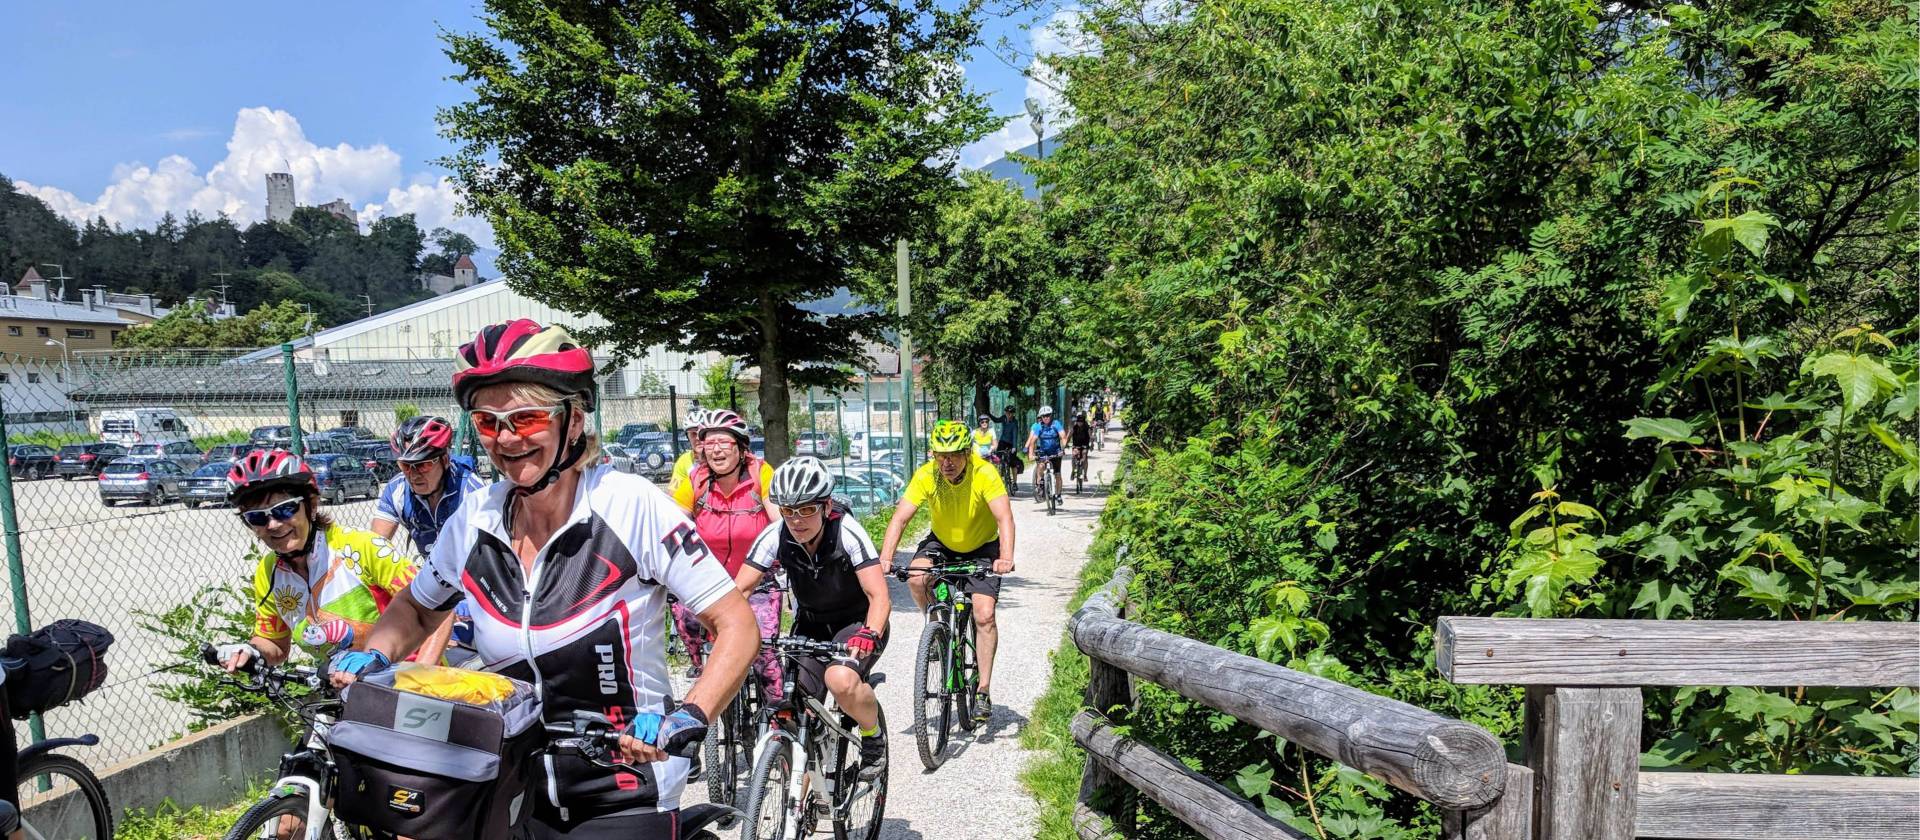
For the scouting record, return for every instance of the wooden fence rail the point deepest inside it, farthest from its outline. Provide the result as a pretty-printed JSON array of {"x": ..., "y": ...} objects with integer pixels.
[
  {"x": 1583, "y": 722},
  {"x": 1457, "y": 766}
]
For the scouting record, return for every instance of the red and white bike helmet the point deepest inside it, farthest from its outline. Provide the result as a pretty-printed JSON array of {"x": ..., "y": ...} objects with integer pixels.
[
  {"x": 723, "y": 420},
  {"x": 266, "y": 470},
  {"x": 422, "y": 439}
]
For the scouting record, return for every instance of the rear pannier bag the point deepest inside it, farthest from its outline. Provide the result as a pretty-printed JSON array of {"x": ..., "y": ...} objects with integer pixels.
[
  {"x": 54, "y": 665},
  {"x": 435, "y": 769}
]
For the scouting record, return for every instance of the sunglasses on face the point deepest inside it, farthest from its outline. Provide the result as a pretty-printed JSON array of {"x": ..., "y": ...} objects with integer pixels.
[
  {"x": 531, "y": 420},
  {"x": 802, "y": 512},
  {"x": 417, "y": 467},
  {"x": 278, "y": 513}
]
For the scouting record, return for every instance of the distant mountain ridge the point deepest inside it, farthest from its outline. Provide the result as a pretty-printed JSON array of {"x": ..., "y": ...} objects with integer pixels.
[{"x": 1008, "y": 169}]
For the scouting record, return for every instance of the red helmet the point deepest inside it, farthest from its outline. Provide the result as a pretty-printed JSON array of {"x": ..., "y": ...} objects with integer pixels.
[
  {"x": 265, "y": 470},
  {"x": 422, "y": 439},
  {"x": 722, "y": 420},
  {"x": 524, "y": 351}
]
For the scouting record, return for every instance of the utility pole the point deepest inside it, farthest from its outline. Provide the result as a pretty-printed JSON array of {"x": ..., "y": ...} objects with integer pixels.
[
  {"x": 906, "y": 351},
  {"x": 1037, "y": 117},
  {"x": 223, "y": 275},
  {"x": 367, "y": 302},
  {"x": 63, "y": 278}
]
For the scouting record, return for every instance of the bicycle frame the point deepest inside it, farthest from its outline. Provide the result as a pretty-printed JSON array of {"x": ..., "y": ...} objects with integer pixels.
[{"x": 809, "y": 736}]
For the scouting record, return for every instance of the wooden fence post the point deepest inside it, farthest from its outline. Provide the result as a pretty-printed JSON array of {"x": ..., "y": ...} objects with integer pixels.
[
  {"x": 1583, "y": 745},
  {"x": 1509, "y": 818},
  {"x": 1106, "y": 805}
]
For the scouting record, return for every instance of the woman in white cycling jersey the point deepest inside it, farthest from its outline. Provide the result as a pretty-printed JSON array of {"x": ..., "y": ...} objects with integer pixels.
[{"x": 568, "y": 564}]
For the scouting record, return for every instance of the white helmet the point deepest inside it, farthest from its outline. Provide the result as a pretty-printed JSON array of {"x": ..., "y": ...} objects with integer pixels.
[
  {"x": 799, "y": 481},
  {"x": 696, "y": 418},
  {"x": 1046, "y": 411}
]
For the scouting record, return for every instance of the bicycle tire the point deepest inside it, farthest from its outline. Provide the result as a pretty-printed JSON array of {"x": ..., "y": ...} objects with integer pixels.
[
  {"x": 933, "y": 726},
  {"x": 848, "y": 821},
  {"x": 96, "y": 811},
  {"x": 1051, "y": 491},
  {"x": 768, "y": 786},
  {"x": 259, "y": 820},
  {"x": 729, "y": 747}
]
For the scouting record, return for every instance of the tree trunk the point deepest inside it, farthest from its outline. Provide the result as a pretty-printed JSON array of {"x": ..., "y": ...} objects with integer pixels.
[
  {"x": 980, "y": 404},
  {"x": 774, "y": 403}
]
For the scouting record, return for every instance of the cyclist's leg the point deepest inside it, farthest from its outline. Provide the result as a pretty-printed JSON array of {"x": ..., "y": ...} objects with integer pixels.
[
  {"x": 985, "y": 593},
  {"x": 766, "y": 609},
  {"x": 847, "y": 679}
]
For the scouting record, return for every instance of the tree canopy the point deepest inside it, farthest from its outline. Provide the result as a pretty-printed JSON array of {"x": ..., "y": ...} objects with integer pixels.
[
  {"x": 695, "y": 172},
  {"x": 193, "y": 325}
]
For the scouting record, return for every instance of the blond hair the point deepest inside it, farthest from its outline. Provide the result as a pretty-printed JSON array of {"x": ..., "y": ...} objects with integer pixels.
[{"x": 536, "y": 394}]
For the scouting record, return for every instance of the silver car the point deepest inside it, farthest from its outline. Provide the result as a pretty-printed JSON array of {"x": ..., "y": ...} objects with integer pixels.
[
  {"x": 615, "y": 455},
  {"x": 152, "y": 481}
]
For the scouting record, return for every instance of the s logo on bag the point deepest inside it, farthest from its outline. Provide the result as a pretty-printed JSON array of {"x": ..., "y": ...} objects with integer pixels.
[
  {"x": 405, "y": 800},
  {"x": 422, "y": 716}
]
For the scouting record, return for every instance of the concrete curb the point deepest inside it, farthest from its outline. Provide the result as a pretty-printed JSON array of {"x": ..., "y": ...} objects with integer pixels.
[{"x": 212, "y": 768}]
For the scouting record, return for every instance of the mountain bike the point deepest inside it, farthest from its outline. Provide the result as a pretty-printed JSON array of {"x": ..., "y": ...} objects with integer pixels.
[
  {"x": 782, "y": 804},
  {"x": 729, "y": 750},
  {"x": 299, "y": 805},
  {"x": 1002, "y": 460},
  {"x": 1079, "y": 470},
  {"x": 946, "y": 672},
  {"x": 59, "y": 797},
  {"x": 1049, "y": 483}
]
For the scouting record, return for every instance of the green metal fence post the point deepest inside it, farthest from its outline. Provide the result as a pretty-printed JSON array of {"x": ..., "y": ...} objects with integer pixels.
[
  {"x": 16, "y": 569},
  {"x": 293, "y": 399},
  {"x": 673, "y": 420}
]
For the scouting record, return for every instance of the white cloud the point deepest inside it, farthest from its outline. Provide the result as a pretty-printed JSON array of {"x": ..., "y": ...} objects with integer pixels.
[
  {"x": 266, "y": 140},
  {"x": 1060, "y": 35}
]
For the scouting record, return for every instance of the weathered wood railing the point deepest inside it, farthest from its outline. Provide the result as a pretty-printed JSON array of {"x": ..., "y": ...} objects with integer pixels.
[
  {"x": 1583, "y": 722},
  {"x": 1457, "y": 766}
]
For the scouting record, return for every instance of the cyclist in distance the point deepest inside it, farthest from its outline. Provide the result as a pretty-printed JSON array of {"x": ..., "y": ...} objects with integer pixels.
[
  {"x": 313, "y": 579},
  {"x": 425, "y": 494},
  {"x": 1010, "y": 430},
  {"x": 683, "y": 465},
  {"x": 726, "y": 496},
  {"x": 839, "y": 592},
  {"x": 972, "y": 522},
  {"x": 569, "y": 563},
  {"x": 1046, "y": 439},
  {"x": 985, "y": 436},
  {"x": 1080, "y": 436}
]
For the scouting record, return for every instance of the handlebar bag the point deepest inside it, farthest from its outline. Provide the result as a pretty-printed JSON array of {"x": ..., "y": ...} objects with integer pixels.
[
  {"x": 433, "y": 768},
  {"x": 54, "y": 665}
]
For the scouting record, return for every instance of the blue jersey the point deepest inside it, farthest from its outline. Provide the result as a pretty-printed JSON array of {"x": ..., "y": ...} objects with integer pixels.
[
  {"x": 399, "y": 504},
  {"x": 1047, "y": 437}
]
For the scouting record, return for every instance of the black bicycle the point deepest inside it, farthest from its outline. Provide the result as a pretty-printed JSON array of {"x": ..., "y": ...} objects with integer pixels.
[
  {"x": 1079, "y": 470},
  {"x": 1049, "y": 486},
  {"x": 816, "y": 738},
  {"x": 732, "y": 739},
  {"x": 60, "y": 797},
  {"x": 946, "y": 671}
]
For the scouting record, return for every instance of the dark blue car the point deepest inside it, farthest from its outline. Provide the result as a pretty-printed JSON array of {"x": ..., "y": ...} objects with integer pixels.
[{"x": 343, "y": 477}]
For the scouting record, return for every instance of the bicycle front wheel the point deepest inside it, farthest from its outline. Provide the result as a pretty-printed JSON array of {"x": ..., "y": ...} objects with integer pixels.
[
  {"x": 768, "y": 794},
  {"x": 933, "y": 700},
  {"x": 729, "y": 748},
  {"x": 966, "y": 672},
  {"x": 66, "y": 799},
  {"x": 858, "y": 804}
]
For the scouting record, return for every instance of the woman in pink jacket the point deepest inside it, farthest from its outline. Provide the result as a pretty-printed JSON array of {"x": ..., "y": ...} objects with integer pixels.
[{"x": 726, "y": 494}]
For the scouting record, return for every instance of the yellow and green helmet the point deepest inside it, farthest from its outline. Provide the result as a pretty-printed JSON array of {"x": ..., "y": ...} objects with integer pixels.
[{"x": 949, "y": 436}]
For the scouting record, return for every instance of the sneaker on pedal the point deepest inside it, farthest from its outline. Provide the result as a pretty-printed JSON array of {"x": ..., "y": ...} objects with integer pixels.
[
  {"x": 982, "y": 708},
  {"x": 873, "y": 755}
]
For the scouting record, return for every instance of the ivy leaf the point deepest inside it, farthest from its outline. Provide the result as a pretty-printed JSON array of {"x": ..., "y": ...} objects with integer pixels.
[
  {"x": 1681, "y": 291},
  {"x": 1666, "y": 429},
  {"x": 1844, "y": 508},
  {"x": 1664, "y": 597},
  {"x": 1768, "y": 588},
  {"x": 1861, "y": 378},
  {"x": 1254, "y": 780}
]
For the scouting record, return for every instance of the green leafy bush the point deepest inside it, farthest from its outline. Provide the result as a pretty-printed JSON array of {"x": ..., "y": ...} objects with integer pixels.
[{"x": 216, "y": 615}]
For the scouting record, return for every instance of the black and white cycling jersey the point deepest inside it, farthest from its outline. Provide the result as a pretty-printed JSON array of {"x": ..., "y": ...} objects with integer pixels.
[{"x": 586, "y": 624}]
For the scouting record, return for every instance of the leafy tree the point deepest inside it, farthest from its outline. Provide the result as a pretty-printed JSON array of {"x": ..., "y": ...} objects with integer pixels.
[
  {"x": 694, "y": 171},
  {"x": 31, "y": 234},
  {"x": 193, "y": 325}
]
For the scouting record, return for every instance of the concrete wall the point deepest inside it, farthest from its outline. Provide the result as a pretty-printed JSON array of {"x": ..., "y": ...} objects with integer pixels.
[{"x": 212, "y": 767}]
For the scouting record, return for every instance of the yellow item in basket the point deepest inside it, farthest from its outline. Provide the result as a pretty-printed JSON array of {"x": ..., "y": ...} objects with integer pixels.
[{"x": 478, "y": 688}]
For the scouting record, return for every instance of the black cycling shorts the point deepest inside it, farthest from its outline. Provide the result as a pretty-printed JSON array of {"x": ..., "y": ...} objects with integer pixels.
[
  {"x": 812, "y": 679},
  {"x": 982, "y": 557}
]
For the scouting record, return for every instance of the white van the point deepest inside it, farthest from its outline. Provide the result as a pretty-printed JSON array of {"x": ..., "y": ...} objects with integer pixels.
[{"x": 128, "y": 426}]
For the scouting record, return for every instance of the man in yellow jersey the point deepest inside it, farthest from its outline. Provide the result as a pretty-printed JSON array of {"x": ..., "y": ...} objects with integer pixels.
[
  {"x": 683, "y": 466},
  {"x": 972, "y": 521}
]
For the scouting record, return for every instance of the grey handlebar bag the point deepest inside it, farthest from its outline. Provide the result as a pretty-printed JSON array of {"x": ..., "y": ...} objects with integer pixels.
[{"x": 434, "y": 769}]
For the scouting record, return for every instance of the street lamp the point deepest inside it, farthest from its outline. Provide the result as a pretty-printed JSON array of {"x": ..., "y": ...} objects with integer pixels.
[
  {"x": 1037, "y": 118},
  {"x": 66, "y": 377}
]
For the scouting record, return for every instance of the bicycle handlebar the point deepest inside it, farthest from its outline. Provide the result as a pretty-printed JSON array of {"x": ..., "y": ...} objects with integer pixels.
[
  {"x": 901, "y": 572},
  {"x": 594, "y": 737}
]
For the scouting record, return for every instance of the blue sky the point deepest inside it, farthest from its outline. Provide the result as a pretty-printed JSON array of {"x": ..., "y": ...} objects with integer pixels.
[{"x": 130, "y": 109}]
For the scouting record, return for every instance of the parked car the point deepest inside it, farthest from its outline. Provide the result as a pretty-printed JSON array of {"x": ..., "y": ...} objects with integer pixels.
[
  {"x": 377, "y": 457},
  {"x": 78, "y": 459},
  {"x": 632, "y": 430},
  {"x": 183, "y": 453},
  {"x": 206, "y": 486},
  {"x": 30, "y": 461},
  {"x": 361, "y": 434},
  {"x": 342, "y": 477},
  {"x": 150, "y": 480},
  {"x": 653, "y": 459},
  {"x": 616, "y": 456},
  {"x": 866, "y": 446},
  {"x": 128, "y": 426},
  {"x": 227, "y": 453},
  {"x": 272, "y": 437},
  {"x": 324, "y": 444},
  {"x": 758, "y": 445},
  {"x": 877, "y": 473},
  {"x": 817, "y": 444},
  {"x": 881, "y": 484}
]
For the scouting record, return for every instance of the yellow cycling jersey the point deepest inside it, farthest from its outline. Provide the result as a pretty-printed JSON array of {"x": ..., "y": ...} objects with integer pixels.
[
  {"x": 351, "y": 575},
  {"x": 682, "y": 467},
  {"x": 983, "y": 441},
  {"x": 961, "y": 518}
]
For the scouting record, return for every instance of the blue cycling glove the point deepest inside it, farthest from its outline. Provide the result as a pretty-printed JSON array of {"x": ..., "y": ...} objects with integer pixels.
[
  {"x": 359, "y": 662},
  {"x": 687, "y": 725}
]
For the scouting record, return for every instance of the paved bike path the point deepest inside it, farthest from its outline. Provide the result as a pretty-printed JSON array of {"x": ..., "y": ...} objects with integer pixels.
[{"x": 977, "y": 792}]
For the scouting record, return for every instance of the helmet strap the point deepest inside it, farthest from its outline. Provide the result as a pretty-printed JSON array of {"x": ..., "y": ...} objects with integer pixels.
[
  {"x": 313, "y": 531},
  {"x": 571, "y": 453}
]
